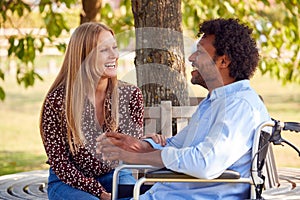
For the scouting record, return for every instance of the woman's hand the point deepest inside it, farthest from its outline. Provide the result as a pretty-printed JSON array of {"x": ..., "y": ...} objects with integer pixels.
[
  {"x": 125, "y": 142},
  {"x": 105, "y": 196},
  {"x": 157, "y": 138},
  {"x": 117, "y": 146}
]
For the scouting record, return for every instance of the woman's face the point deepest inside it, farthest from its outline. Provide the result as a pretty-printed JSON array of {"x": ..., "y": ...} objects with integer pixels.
[{"x": 108, "y": 54}]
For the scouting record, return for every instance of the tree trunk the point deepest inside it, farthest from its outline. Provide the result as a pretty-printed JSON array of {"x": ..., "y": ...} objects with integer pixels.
[
  {"x": 90, "y": 11},
  {"x": 159, "y": 57}
]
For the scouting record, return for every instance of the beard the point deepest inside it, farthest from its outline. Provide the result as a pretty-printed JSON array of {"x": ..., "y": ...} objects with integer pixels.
[{"x": 197, "y": 79}]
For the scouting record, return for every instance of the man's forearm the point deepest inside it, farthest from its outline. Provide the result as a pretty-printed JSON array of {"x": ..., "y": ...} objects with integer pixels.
[{"x": 149, "y": 158}]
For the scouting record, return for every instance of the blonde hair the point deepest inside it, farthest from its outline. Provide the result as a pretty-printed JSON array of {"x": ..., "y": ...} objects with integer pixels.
[{"x": 80, "y": 76}]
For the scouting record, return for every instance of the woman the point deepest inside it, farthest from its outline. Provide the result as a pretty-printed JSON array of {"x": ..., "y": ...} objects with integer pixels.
[{"x": 86, "y": 100}]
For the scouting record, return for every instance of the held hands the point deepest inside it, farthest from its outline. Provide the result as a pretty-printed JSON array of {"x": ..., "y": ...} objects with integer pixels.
[
  {"x": 120, "y": 140},
  {"x": 118, "y": 146}
]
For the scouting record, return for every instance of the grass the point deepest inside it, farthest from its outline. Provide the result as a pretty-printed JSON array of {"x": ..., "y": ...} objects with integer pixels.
[
  {"x": 18, "y": 161},
  {"x": 283, "y": 103},
  {"x": 21, "y": 147}
]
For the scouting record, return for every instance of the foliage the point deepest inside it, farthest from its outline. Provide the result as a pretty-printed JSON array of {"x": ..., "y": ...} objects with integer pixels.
[
  {"x": 276, "y": 27},
  {"x": 25, "y": 45}
]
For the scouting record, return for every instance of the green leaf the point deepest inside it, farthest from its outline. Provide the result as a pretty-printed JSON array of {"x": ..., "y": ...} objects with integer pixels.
[
  {"x": 2, "y": 94},
  {"x": 42, "y": 44},
  {"x": 55, "y": 24},
  {"x": 2, "y": 75},
  {"x": 12, "y": 47},
  {"x": 27, "y": 78},
  {"x": 62, "y": 47}
]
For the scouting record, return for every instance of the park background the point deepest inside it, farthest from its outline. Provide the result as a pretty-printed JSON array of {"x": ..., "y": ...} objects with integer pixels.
[{"x": 21, "y": 147}]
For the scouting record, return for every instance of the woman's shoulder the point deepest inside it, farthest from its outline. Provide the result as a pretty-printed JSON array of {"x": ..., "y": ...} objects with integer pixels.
[
  {"x": 127, "y": 86},
  {"x": 56, "y": 98},
  {"x": 130, "y": 90}
]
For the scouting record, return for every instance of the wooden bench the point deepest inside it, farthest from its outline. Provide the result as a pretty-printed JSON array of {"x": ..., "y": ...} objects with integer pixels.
[{"x": 280, "y": 183}]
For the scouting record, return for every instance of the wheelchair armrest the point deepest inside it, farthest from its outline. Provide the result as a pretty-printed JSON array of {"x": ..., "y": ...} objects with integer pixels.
[
  {"x": 229, "y": 174},
  {"x": 166, "y": 173}
]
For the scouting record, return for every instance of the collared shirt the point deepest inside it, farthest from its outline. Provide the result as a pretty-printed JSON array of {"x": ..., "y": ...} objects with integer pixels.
[{"x": 219, "y": 136}]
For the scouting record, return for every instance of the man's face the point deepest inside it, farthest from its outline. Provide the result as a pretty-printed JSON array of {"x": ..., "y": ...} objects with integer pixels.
[{"x": 204, "y": 62}]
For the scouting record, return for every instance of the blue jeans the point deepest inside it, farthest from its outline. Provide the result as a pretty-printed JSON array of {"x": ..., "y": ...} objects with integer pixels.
[{"x": 58, "y": 190}]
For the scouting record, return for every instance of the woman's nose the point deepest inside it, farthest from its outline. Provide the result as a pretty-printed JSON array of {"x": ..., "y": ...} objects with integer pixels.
[{"x": 114, "y": 53}]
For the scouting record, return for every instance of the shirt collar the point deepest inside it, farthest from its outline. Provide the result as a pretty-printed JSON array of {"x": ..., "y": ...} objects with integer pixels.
[{"x": 229, "y": 89}]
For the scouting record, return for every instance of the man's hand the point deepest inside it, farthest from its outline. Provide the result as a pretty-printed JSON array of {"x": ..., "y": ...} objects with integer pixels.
[
  {"x": 110, "y": 146},
  {"x": 125, "y": 142},
  {"x": 157, "y": 138},
  {"x": 117, "y": 146}
]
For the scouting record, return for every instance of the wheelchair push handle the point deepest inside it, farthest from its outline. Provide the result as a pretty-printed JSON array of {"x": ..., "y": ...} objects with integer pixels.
[
  {"x": 291, "y": 126},
  {"x": 276, "y": 138}
]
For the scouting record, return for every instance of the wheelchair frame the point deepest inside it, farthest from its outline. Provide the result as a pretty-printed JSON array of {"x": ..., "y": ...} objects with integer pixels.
[{"x": 256, "y": 180}]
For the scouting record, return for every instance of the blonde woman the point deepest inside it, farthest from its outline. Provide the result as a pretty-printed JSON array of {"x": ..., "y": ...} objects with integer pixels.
[{"x": 85, "y": 101}]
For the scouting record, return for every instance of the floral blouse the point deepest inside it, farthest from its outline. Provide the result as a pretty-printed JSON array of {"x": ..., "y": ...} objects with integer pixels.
[{"x": 82, "y": 169}]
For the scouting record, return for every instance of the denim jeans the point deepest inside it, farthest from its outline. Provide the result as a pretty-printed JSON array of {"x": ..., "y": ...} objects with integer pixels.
[{"x": 58, "y": 190}]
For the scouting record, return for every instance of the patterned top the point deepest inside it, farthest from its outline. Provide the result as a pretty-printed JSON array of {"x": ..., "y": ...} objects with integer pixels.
[{"x": 81, "y": 169}]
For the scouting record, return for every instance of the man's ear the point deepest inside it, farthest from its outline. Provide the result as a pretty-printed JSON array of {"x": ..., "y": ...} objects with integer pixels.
[{"x": 225, "y": 61}]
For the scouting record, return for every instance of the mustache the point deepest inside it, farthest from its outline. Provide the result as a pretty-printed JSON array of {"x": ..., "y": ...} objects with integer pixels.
[{"x": 206, "y": 63}]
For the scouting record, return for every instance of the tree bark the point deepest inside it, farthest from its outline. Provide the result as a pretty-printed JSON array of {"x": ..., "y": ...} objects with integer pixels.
[
  {"x": 159, "y": 57},
  {"x": 90, "y": 11}
]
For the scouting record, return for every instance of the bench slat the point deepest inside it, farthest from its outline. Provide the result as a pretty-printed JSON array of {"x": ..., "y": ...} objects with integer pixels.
[{"x": 150, "y": 126}]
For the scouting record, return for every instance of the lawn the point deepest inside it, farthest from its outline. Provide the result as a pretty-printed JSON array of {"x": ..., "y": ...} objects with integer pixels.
[
  {"x": 21, "y": 146},
  {"x": 283, "y": 103}
]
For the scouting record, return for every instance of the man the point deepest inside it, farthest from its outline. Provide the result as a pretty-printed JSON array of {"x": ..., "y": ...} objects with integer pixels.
[{"x": 220, "y": 133}]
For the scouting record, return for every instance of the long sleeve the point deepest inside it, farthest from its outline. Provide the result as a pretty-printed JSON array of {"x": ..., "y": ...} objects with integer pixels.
[
  {"x": 219, "y": 136},
  {"x": 57, "y": 149}
]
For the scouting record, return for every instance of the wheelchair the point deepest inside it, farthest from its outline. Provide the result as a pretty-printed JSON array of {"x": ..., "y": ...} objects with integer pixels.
[{"x": 262, "y": 140}]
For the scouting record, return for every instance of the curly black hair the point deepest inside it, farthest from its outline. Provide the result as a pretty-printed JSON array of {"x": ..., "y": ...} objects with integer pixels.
[{"x": 234, "y": 40}]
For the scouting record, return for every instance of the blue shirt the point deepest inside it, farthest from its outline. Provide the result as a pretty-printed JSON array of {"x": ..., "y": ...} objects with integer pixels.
[{"x": 219, "y": 136}]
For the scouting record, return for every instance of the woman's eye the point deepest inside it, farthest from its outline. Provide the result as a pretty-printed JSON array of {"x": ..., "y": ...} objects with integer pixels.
[{"x": 103, "y": 50}]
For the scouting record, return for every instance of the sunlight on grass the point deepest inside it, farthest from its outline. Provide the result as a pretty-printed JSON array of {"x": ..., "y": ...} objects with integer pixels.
[
  {"x": 20, "y": 116},
  {"x": 21, "y": 146},
  {"x": 283, "y": 103},
  {"x": 20, "y": 161}
]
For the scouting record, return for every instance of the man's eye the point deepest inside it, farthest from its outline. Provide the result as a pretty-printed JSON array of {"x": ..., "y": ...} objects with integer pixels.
[{"x": 115, "y": 47}]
